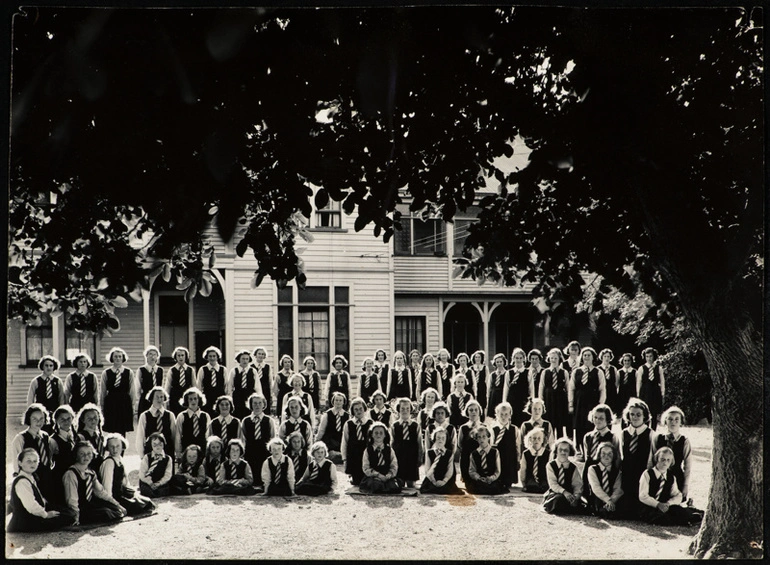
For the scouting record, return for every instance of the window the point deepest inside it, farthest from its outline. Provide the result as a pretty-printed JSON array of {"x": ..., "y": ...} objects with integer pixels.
[
  {"x": 410, "y": 333},
  {"x": 420, "y": 237},
  {"x": 39, "y": 340},
  {"x": 330, "y": 216},
  {"x": 310, "y": 318},
  {"x": 75, "y": 342},
  {"x": 461, "y": 225},
  {"x": 173, "y": 321}
]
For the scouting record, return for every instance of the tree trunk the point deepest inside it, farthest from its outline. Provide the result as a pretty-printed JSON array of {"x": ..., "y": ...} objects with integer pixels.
[{"x": 733, "y": 523}]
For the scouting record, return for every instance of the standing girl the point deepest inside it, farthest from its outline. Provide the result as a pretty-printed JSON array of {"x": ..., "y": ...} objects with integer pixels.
[
  {"x": 637, "y": 448},
  {"x": 113, "y": 476},
  {"x": 406, "y": 443},
  {"x": 553, "y": 391},
  {"x": 339, "y": 381},
  {"x": 484, "y": 469},
  {"x": 118, "y": 394},
  {"x": 479, "y": 377},
  {"x": 212, "y": 377},
  {"x": 370, "y": 383},
  {"x": 611, "y": 377},
  {"x": 428, "y": 376},
  {"x": 458, "y": 400},
  {"x": 256, "y": 431},
  {"x": 320, "y": 476},
  {"x": 587, "y": 385},
  {"x": 497, "y": 381},
  {"x": 535, "y": 358},
  {"x": 651, "y": 384},
  {"x": 265, "y": 379},
  {"x": 399, "y": 380},
  {"x": 242, "y": 383},
  {"x": 380, "y": 464},
  {"x": 81, "y": 385},
  {"x": 381, "y": 367},
  {"x": 564, "y": 483},
  {"x": 673, "y": 418},
  {"x": 313, "y": 380},
  {"x": 465, "y": 442},
  {"x": 572, "y": 352},
  {"x": 428, "y": 398},
  {"x": 445, "y": 372},
  {"x": 148, "y": 375},
  {"x": 507, "y": 440},
  {"x": 156, "y": 420},
  {"x": 90, "y": 430},
  {"x": 627, "y": 387},
  {"x": 518, "y": 388},
  {"x": 330, "y": 427},
  {"x": 62, "y": 444},
  {"x": 415, "y": 365},
  {"x": 192, "y": 423},
  {"x": 224, "y": 426},
  {"x": 439, "y": 467},
  {"x": 462, "y": 362},
  {"x": 354, "y": 441},
  {"x": 47, "y": 389},
  {"x": 179, "y": 378}
]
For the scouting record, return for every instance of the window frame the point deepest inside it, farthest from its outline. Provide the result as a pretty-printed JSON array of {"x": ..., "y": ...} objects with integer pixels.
[
  {"x": 423, "y": 330},
  {"x": 407, "y": 220}
]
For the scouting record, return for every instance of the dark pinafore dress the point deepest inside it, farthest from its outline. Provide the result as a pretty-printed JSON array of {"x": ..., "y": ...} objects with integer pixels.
[
  {"x": 147, "y": 380},
  {"x": 180, "y": 382},
  {"x": 518, "y": 394},
  {"x": 406, "y": 444},
  {"x": 212, "y": 387},
  {"x": 118, "y": 408}
]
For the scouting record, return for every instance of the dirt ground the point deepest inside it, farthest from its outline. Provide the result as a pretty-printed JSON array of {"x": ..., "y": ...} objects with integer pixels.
[{"x": 341, "y": 526}]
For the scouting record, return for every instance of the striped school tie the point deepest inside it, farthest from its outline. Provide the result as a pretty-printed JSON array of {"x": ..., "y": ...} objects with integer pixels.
[
  {"x": 406, "y": 431},
  {"x": 560, "y": 477},
  {"x": 159, "y": 423},
  {"x": 606, "y": 481},
  {"x": 118, "y": 378},
  {"x": 650, "y": 375},
  {"x": 224, "y": 432},
  {"x": 483, "y": 470},
  {"x": 82, "y": 386},
  {"x": 499, "y": 379},
  {"x": 462, "y": 403},
  {"x": 277, "y": 476},
  {"x": 259, "y": 373},
  {"x": 536, "y": 468},
  {"x": 632, "y": 445},
  {"x": 233, "y": 470},
  {"x": 500, "y": 436},
  {"x": 400, "y": 377},
  {"x": 339, "y": 380},
  {"x": 295, "y": 460},
  {"x": 49, "y": 388},
  {"x": 359, "y": 431},
  {"x": 366, "y": 382},
  {"x": 515, "y": 377},
  {"x": 670, "y": 441},
  {"x": 660, "y": 487},
  {"x": 41, "y": 448},
  {"x": 554, "y": 380},
  {"x": 311, "y": 383},
  {"x": 196, "y": 425},
  {"x": 257, "y": 428},
  {"x": 338, "y": 423},
  {"x": 219, "y": 472},
  {"x": 156, "y": 459},
  {"x": 584, "y": 380},
  {"x": 380, "y": 458},
  {"x": 429, "y": 378},
  {"x": 183, "y": 377},
  {"x": 89, "y": 486},
  {"x": 595, "y": 448},
  {"x": 313, "y": 471},
  {"x": 213, "y": 379},
  {"x": 243, "y": 380}
]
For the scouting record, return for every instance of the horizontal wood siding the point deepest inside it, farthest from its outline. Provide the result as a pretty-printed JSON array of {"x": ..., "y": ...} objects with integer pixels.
[
  {"x": 423, "y": 306},
  {"x": 420, "y": 274},
  {"x": 17, "y": 379},
  {"x": 253, "y": 315},
  {"x": 130, "y": 337},
  {"x": 206, "y": 316}
]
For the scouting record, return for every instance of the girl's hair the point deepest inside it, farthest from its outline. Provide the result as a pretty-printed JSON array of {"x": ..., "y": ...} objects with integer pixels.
[
  {"x": 665, "y": 450},
  {"x": 606, "y": 350},
  {"x": 192, "y": 447},
  {"x": 458, "y": 376},
  {"x": 534, "y": 353},
  {"x": 221, "y": 399},
  {"x": 258, "y": 348},
  {"x": 215, "y": 349},
  {"x": 399, "y": 354},
  {"x": 499, "y": 408},
  {"x": 113, "y": 435},
  {"x": 63, "y": 409},
  {"x": 51, "y": 358},
  {"x": 480, "y": 430},
  {"x": 90, "y": 407},
  {"x": 336, "y": 394},
  {"x": 150, "y": 393},
  {"x": 36, "y": 407},
  {"x": 444, "y": 350},
  {"x": 378, "y": 393},
  {"x": 531, "y": 434},
  {"x": 358, "y": 401},
  {"x": 113, "y": 351},
  {"x": 180, "y": 349},
  {"x": 298, "y": 434},
  {"x": 276, "y": 441},
  {"x": 472, "y": 402},
  {"x": 283, "y": 358},
  {"x": 256, "y": 396},
  {"x": 339, "y": 357},
  {"x": 233, "y": 443},
  {"x": 385, "y": 353},
  {"x": 319, "y": 445},
  {"x": 193, "y": 390},
  {"x": 213, "y": 439},
  {"x": 439, "y": 405},
  {"x": 467, "y": 359},
  {"x": 297, "y": 376},
  {"x": 500, "y": 356},
  {"x": 608, "y": 445},
  {"x": 556, "y": 351},
  {"x": 426, "y": 392},
  {"x": 570, "y": 345},
  {"x": 375, "y": 426},
  {"x": 243, "y": 352},
  {"x": 403, "y": 400},
  {"x": 629, "y": 355},
  {"x": 81, "y": 355},
  {"x": 424, "y": 357},
  {"x": 309, "y": 358},
  {"x": 153, "y": 436},
  {"x": 568, "y": 441},
  {"x": 591, "y": 350},
  {"x": 412, "y": 352},
  {"x": 650, "y": 350},
  {"x": 29, "y": 450},
  {"x": 150, "y": 348},
  {"x": 640, "y": 404},
  {"x": 673, "y": 410},
  {"x": 437, "y": 431},
  {"x": 531, "y": 402},
  {"x": 479, "y": 352},
  {"x": 296, "y": 400},
  {"x": 83, "y": 444},
  {"x": 363, "y": 364},
  {"x": 602, "y": 409},
  {"x": 518, "y": 351}
]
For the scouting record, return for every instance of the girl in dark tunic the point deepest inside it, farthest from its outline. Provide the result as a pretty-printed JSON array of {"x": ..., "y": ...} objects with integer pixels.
[
  {"x": 588, "y": 385},
  {"x": 118, "y": 394},
  {"x": 149, "y": 375}
]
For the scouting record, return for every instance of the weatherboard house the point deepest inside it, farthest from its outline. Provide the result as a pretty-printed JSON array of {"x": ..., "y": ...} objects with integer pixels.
[{"x": 362, "y": 294}]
